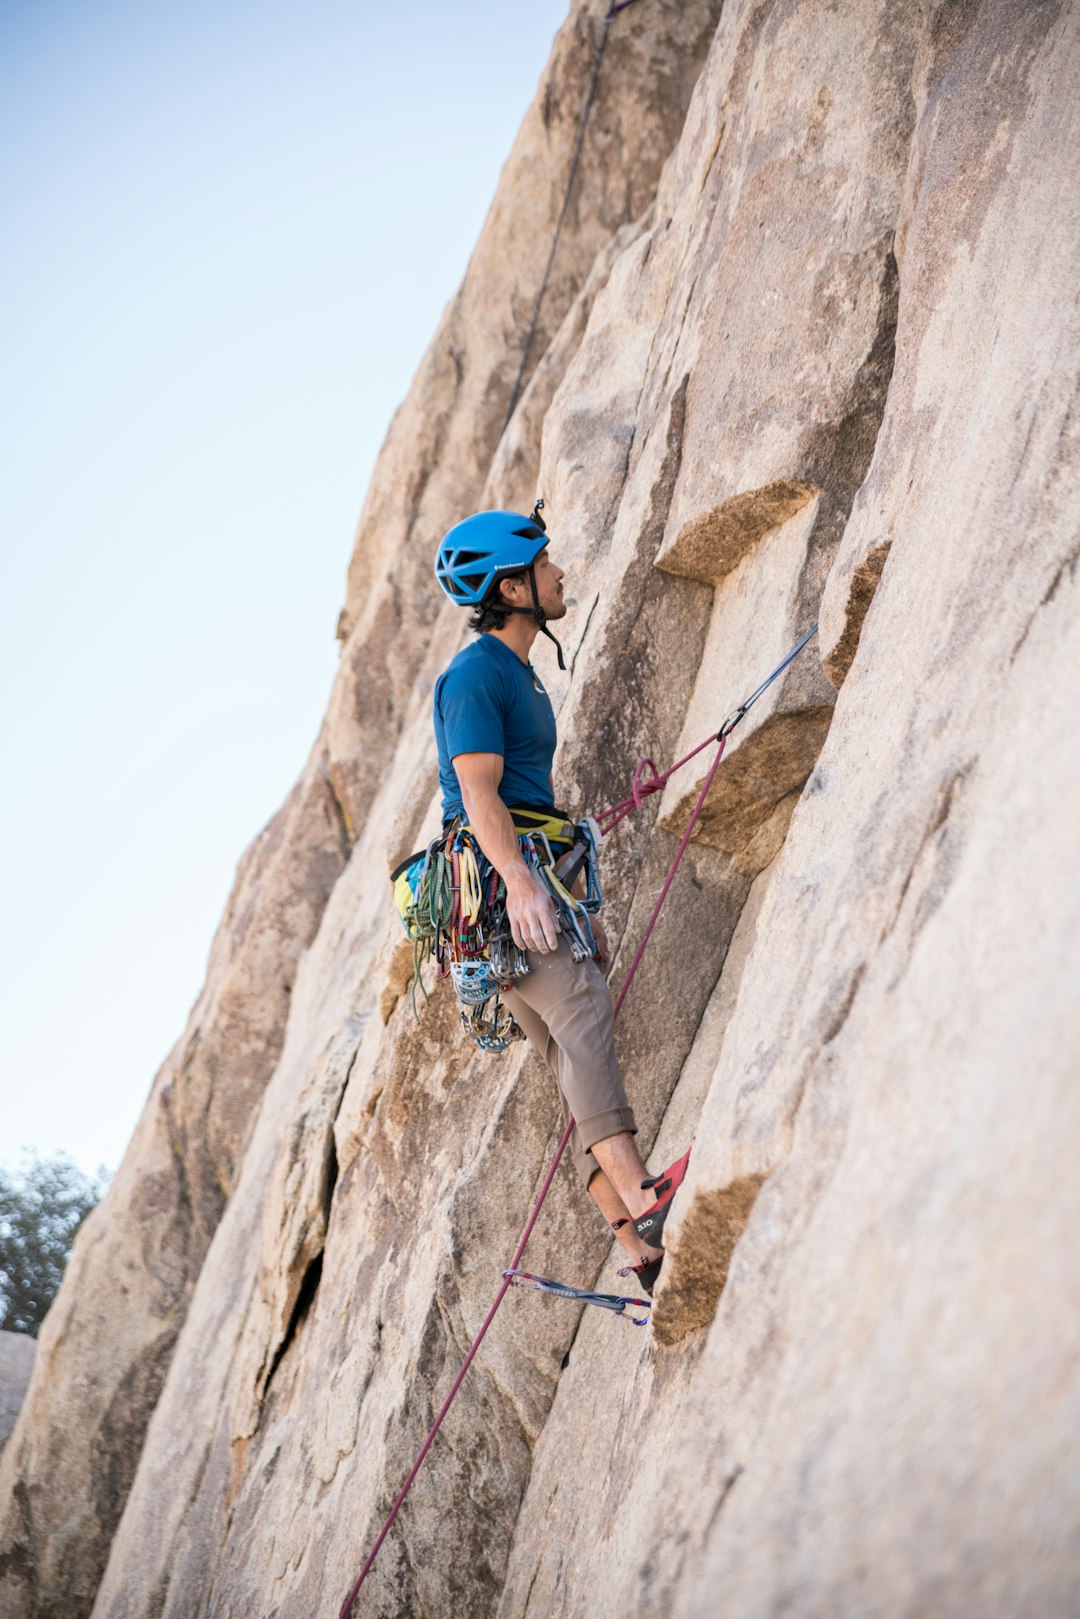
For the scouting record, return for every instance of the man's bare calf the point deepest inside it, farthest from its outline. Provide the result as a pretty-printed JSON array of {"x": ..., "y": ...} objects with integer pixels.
[{"x": 617, "y": 1190}]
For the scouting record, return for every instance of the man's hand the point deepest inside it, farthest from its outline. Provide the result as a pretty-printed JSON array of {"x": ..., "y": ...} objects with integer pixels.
[{"x": 531, "y": 914}]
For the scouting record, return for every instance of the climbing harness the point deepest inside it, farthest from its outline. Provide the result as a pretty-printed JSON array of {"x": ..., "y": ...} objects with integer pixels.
[
  {"x": 616, "y": 1302},
  {"x": 641, "y": 789},
  {"x": 452, "y": 904}
]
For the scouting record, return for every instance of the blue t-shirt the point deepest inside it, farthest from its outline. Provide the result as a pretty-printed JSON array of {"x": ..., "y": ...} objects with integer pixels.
[{"x": 488, "y": 701}]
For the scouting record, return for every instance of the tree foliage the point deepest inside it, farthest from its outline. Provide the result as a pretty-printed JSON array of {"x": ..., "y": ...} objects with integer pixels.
[{"x": 42, "y": 1205}]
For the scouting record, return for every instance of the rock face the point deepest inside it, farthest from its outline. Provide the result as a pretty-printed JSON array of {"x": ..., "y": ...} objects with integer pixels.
[{"x": 823, "y": 366}]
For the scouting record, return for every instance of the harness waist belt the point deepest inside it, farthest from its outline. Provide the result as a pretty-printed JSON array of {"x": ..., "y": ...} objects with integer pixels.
[{"x": 551, "y": 825}]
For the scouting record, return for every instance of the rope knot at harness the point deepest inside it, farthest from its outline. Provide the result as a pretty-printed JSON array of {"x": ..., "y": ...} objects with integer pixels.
[{"x": 639, "y": 789}]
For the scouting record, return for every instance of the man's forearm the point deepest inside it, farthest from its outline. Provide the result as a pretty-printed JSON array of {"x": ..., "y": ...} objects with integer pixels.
[
  {"x": 496, "y": 834},
  {"x": 530, "y": 910}
]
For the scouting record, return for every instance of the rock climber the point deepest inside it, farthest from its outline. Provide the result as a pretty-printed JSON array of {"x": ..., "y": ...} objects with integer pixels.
[{"x": 495, "y": 729}]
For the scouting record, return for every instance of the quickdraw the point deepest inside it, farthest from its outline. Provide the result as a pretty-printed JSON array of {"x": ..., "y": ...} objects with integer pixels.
[
  {"x": 452, "y": 905},
  {"x": 617, "y": 1303}
]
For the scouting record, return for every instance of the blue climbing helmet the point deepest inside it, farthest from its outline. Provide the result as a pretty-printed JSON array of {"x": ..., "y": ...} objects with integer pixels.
[
  {"x": 474, "y": 553},
  {"x": 481, "y": 549}
]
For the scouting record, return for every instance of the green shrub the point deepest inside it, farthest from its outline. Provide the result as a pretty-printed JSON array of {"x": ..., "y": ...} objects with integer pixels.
[{"x": 42, "y": 1205}]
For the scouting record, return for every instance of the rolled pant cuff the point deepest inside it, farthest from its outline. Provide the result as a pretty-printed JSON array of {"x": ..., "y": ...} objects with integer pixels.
[{"x": 612, "y": 1121}]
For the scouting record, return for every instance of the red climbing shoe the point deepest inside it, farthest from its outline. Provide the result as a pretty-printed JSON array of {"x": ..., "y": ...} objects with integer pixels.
[
  {"x": 646, "y": 1273},
  {"x": 650, "y": 1225}
]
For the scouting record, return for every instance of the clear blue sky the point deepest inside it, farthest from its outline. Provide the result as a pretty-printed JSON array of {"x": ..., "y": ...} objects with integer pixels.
[{"x": 227, "y": 233}]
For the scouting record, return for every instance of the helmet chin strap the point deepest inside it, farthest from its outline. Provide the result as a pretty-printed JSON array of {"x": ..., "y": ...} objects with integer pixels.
[{"x": 536, "y": 612}]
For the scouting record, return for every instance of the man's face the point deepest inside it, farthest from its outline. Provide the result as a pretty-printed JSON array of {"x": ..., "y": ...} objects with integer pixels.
[{"x": 549, "y": 588}]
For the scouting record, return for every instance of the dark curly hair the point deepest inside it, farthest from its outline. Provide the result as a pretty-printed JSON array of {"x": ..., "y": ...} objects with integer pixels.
[{"x": 490, "y": 614}]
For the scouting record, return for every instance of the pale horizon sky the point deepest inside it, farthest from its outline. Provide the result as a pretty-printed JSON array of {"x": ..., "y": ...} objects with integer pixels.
[{"x": 229, "y": 232}]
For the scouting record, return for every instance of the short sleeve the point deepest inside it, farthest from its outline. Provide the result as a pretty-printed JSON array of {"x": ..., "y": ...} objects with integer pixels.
[{"x": 473, "y": 714}]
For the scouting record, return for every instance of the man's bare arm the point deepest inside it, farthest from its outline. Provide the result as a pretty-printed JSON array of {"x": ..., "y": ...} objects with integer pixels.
[{"x": 530, "y": 912}]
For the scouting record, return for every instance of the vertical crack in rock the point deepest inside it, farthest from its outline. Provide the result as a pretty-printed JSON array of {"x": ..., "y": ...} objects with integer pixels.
[
  {"x": 583, "y": 634},
  {"x": 1055, "y": 489},
  {"x": 837, "y": 456},
  {"x": 311, "y": 1273},
  {"x": 305, "y": 1298},
  {"x": 1065, "y": 571},
  {"x": 338, "y": 810},
  {"x": 17, "y": 1565},
  {"x": 858, "y": 576},
  {"x": 933, "y": 865},
  {"x": 834, "y": 1027}
]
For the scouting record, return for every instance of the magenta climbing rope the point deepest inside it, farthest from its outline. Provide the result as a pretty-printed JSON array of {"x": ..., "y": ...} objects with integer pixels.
[{"x": 641, "y": 789}]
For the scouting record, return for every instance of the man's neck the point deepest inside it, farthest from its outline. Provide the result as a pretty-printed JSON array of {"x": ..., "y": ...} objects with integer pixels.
[{"x": 518, "y": 633}]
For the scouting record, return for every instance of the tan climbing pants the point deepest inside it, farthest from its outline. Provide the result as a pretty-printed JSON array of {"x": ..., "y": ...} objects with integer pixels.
[{"x": 564, "y": 1006}]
